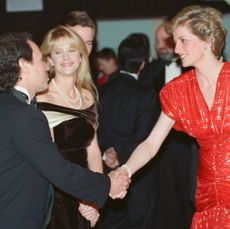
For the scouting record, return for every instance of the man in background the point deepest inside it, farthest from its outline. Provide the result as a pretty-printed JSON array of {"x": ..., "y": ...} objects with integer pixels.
[
  {"x": 107, "y": 64},
  {"x": 128, "y": 112},
  {"x": 166, "y": 66},
  {"x": 83, "y": 25}
]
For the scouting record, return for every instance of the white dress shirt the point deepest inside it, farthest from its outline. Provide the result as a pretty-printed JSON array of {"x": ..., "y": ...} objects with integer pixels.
[{"x": 171, "y": 71}]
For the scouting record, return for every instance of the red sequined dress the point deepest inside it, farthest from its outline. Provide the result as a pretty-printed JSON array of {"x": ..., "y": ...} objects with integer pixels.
[{"x": 183, "y": 101}]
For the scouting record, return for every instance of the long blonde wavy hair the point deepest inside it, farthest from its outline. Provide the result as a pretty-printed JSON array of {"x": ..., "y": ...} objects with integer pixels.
[{"x": 83, "y": 75}]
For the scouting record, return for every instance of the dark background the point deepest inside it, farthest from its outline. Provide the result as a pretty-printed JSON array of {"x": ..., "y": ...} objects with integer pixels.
[{"x": 55, "y": 11}]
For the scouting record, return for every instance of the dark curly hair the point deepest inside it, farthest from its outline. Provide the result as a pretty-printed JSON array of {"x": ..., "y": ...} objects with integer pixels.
[{"x": 13, "y": 46}]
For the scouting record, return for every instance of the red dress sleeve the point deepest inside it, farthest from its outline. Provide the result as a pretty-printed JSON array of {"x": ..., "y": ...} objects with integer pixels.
[{"x": 170, "y": 104}]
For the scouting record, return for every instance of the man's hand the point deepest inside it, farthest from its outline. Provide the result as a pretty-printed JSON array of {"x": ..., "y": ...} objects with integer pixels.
[
  {"x": 90, "y": 213},
  {"x": 119, "y": 183},
  {"x": 111, "y": 159}
]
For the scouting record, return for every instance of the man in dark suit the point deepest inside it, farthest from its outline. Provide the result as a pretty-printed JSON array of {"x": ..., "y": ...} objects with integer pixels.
[
  {"x": 29, "y": 160},
  {"x": 176, "y": 161},
  {"x": 128, "y": 112},
  {"x": 165, "y": 67}
]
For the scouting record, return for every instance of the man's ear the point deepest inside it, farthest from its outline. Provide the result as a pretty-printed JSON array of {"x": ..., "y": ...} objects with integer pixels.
[{"x": 24, "y": 66}]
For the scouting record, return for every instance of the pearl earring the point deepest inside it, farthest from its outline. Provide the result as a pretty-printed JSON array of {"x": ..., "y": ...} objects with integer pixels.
[{"x": 205, "y": 48}]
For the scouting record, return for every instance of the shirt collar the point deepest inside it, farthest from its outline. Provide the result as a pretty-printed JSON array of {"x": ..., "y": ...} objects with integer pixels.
[
  {"x": 22, "y": 89},
  {"x": 134, "y": 75}
]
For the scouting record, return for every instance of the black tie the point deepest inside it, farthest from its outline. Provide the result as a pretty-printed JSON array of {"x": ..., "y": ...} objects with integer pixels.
[{"x": 167, "y": 62}]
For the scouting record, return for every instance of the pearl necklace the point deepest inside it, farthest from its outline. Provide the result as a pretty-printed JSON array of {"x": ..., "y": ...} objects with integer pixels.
[{"x": 66, "y": 98}]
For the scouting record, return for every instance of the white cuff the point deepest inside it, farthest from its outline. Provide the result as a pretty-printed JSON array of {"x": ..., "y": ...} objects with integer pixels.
[
  {"x": 104, "y": 157},
  {"x": 127, "y": 168}
]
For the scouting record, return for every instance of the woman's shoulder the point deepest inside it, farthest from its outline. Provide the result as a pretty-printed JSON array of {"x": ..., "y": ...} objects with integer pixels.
[
  {"x": 87, "y": 96},
  {"x": 179, "y": 83}
]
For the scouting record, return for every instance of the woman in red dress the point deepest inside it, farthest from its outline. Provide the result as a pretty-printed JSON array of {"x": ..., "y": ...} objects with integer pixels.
[{"x": 198, "y": 103}]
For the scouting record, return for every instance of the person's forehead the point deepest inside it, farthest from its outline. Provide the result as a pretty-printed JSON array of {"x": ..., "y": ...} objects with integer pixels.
[
  {"x": 161, "y": 32},
  {"x": 101, "y": 60},
  {"x": 84, "y": 32},
  {"x": 61, "y": 42}
]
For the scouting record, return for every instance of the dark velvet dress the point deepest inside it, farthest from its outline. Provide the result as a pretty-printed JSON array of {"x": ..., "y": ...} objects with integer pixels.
[{"x": 73, "y": 132}]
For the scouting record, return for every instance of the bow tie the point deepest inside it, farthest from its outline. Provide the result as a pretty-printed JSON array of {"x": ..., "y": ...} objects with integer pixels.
[{"x": 167, "y": 62}]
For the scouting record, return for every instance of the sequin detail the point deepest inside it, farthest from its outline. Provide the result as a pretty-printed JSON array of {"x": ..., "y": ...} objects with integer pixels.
[{"x": 182, "y": 100}]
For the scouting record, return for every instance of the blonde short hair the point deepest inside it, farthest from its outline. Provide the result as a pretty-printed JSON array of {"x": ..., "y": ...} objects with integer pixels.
[{"x": 205, "y": 22}]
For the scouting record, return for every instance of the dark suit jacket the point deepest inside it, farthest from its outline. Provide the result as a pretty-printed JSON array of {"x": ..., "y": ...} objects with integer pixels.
[
  {"x": 128, "y": 113},
  {"x": 29, "y": 162},
  {"x": 153, "y": 74}
]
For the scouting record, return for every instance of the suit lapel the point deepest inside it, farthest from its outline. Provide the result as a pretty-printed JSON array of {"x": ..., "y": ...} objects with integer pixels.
[
  {"x": 23, "y": 97},
  {"x": 19, "y": 95}
]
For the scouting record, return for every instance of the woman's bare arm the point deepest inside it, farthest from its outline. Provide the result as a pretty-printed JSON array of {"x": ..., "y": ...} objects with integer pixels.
[{"x": 146, "y": 150}]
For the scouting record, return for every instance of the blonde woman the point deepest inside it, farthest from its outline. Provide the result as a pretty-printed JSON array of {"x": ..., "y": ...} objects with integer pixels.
[{"x": 70, "y": 106}]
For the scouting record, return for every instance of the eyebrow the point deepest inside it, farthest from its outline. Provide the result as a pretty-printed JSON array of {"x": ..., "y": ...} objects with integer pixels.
[{"x": 180, "y": 37}]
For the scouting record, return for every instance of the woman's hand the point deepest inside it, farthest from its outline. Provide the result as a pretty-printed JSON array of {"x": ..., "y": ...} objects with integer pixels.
[{"x": 90, "y": 213}]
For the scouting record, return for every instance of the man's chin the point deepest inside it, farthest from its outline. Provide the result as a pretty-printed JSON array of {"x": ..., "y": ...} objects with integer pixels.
[
  {"x": 43, "y": 89},
  {"x": 167, "y": 56}
]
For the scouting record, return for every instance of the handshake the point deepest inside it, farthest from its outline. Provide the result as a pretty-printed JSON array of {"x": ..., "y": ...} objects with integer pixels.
[{"x": 120, "y": 180}]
